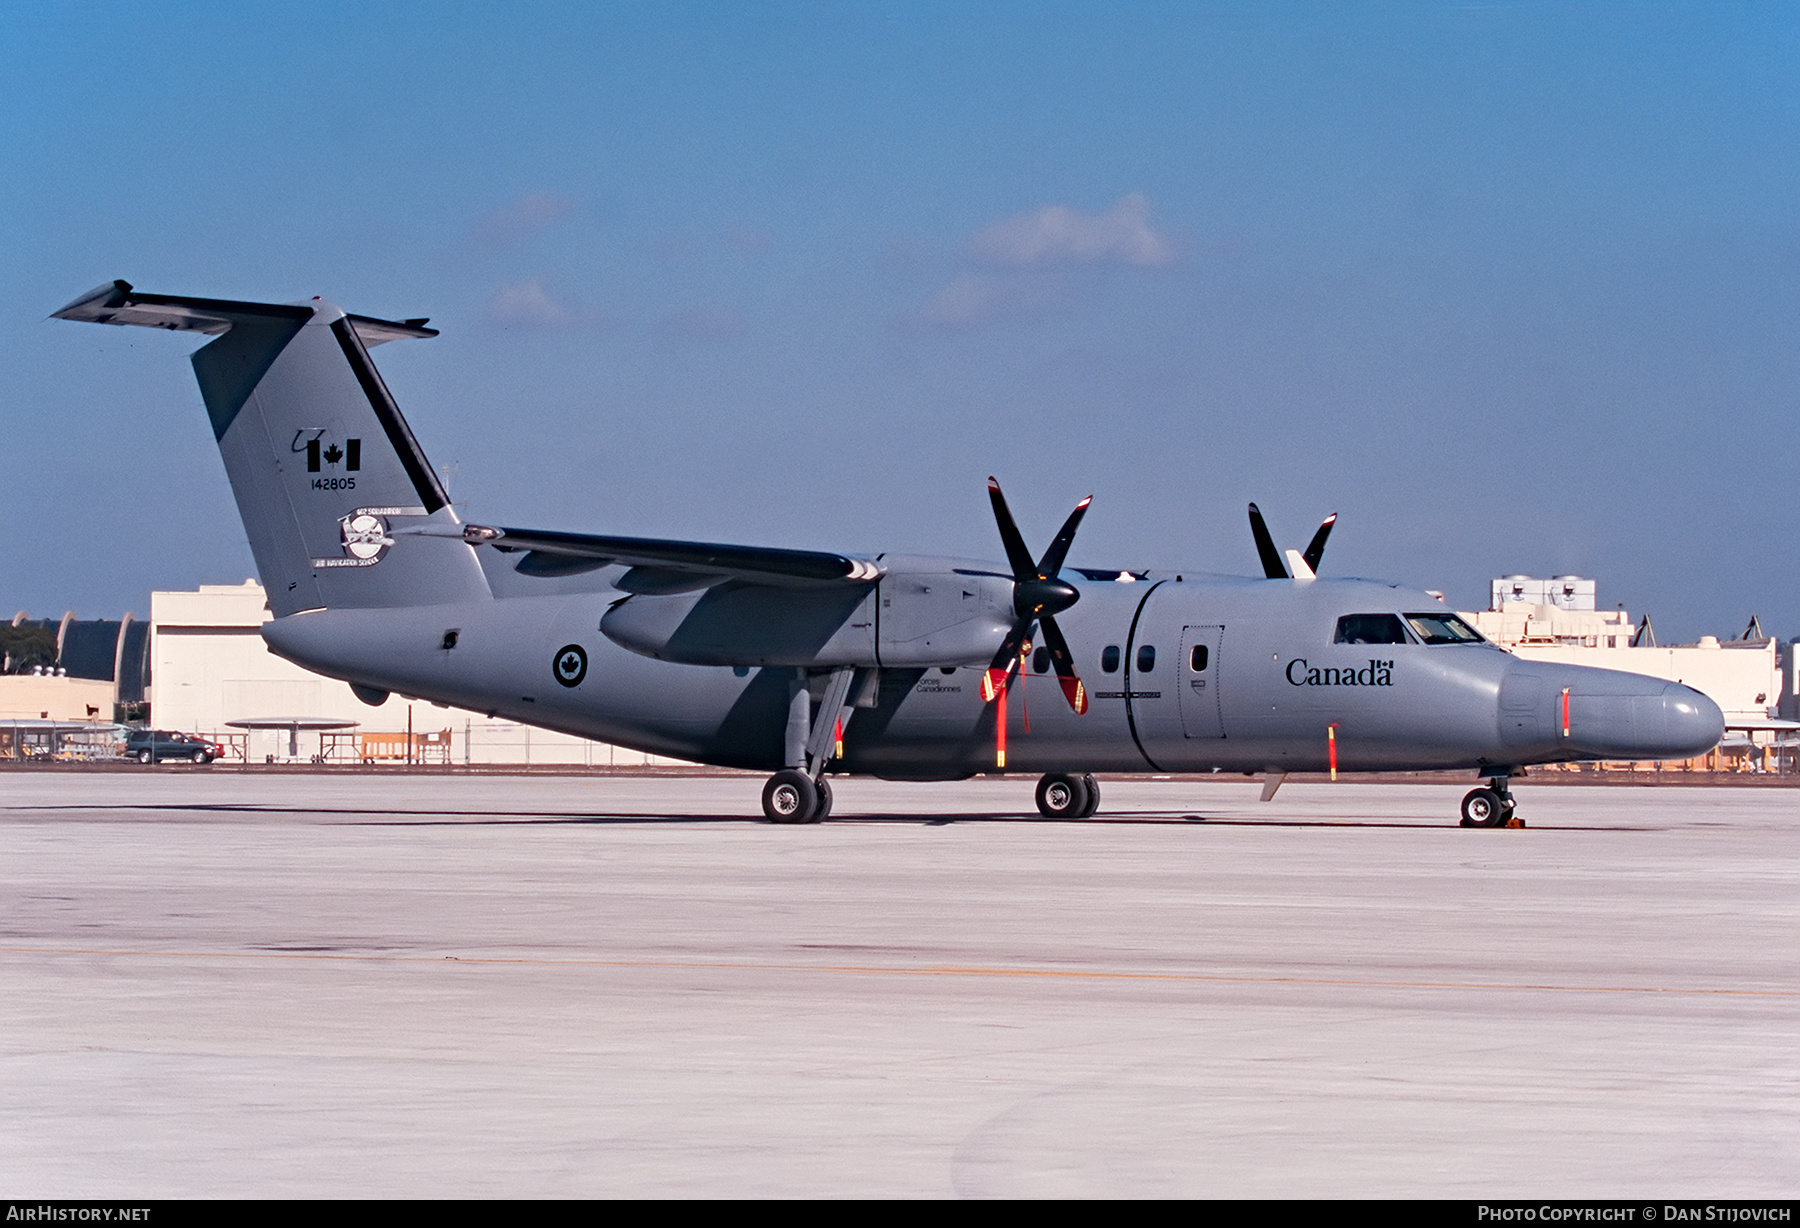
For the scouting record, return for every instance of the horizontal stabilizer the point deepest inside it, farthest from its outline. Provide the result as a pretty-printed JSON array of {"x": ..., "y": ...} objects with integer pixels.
[
  {"x": 118, "y": 303},
  {"x": 656, "y": 558}
]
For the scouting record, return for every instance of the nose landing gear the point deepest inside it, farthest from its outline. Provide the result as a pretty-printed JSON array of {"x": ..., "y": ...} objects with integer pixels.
[
  {"x": 1491, "y": 806},
  {"x": 1068, "y": 797}
]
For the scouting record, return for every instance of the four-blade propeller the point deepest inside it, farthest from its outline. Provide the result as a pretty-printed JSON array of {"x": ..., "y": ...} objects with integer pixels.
[
  {"x": 1305, "y": 563},
  {"x": 1039, "y": 595}
]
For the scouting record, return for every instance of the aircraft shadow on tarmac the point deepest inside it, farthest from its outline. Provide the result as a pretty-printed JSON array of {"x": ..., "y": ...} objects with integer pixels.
[{"x": 388, "y": 817}]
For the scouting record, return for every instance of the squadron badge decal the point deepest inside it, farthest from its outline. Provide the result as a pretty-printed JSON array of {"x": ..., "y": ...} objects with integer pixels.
[{"x": 365, "y": 537}]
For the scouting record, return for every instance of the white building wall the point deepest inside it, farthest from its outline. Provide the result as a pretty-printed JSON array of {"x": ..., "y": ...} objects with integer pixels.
[
  {"x": 1557, "y": 621},
  {"x": 1516, "y": 622},
  {"x": 1565, "y": 592},
  {"x": 44, "y": 696},
  {"x": 1743, "y": 678},
  {"x": 209, "y": 666}
]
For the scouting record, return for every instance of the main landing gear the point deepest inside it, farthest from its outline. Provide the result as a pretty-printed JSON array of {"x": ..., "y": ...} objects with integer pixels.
[
  {"x": 794, "y": 797},
  {"x": 799, "y": 793},
  {"x": 1068, "y": 797},
  {"x": 1491, "y": 806}
]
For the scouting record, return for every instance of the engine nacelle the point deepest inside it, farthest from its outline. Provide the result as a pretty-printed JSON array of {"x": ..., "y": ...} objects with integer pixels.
[{"x": 908, "y": 618}]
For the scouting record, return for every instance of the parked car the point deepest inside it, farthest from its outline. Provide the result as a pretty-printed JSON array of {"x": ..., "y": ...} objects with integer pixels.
[{"x": 156, "y": 745}]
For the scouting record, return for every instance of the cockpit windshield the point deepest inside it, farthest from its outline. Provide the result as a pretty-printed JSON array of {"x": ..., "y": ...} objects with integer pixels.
[
  {"x": 1443, "y": 629},
  {"x": 1370, "y": 629}
]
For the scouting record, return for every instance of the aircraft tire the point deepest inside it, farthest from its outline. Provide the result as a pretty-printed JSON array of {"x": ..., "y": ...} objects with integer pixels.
[
  {"x": 1062, "y": 797},
  {"x": 1482, "y": 808},
  {"x": 1093, "y": 798},
  {"x": 789, "y": 797},
  {"x": 822, "y": 808}
]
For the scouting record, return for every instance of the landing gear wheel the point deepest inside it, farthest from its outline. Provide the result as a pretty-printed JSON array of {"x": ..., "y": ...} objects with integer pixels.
[
  {"x": 822, "y": 808},
  {"x": 1062, "y": 797},
  {"x": 1093, "y": 792},
  {"x": 790, "y": 797},
  {"x": 1482, "y": 808}
]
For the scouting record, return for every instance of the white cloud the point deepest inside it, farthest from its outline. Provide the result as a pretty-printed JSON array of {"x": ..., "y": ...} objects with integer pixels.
[
  {"x": 970, "y": 297},
  {"x": 1057, "y": 233},
  {"x": 527, "y": 302},
  {"x": 1023, "y": 265},
  {"x": 527, "y": 215}
]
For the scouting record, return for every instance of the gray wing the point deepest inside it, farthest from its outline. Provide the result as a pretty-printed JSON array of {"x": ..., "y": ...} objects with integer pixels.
[{"x": 662, "y": 566}]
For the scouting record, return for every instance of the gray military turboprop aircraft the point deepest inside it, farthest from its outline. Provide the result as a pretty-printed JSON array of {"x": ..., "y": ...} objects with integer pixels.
[{"x": 751, "y": 657}]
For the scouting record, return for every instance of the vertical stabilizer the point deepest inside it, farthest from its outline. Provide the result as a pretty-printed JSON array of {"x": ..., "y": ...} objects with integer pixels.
[{"x": 323, "y": 466}]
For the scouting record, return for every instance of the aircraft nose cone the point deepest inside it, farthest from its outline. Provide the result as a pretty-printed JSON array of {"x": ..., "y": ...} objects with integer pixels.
[
  {"x": 1609, "y": 717},
  {"x": 1692, "y": 723}
]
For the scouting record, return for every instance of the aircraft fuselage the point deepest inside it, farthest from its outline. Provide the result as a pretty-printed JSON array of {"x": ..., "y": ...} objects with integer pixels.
[{"x": 1186, "y": 674}]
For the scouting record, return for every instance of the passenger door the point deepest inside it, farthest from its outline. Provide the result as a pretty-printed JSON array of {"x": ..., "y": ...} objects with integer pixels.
[{"x": 1198, "y": 670}]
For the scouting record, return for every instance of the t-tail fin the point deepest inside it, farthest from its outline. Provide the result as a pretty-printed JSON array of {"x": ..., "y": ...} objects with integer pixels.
[{"x": 324, "y": 468}]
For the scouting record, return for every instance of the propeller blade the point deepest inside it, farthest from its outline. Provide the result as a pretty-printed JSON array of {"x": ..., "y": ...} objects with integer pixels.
[
  {"x": 1017, "y": 556},
  {"x": 1273, "y": 567},
  {"x": 1315, "y": 549},
  {"x": 1052, "y": 562},
  {"x": 1072, "y": 689},
  {"x": 993, "y": 682}
]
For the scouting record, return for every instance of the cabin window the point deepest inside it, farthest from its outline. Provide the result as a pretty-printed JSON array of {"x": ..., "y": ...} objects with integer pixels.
[
  {"x": 1199, "y": 659},
  {"x": 1146, "y": 658},
  {"x": 1040, "y": 661},
  {"x": 1443, "y": 629},
  {"x": 1109, "y": 659},
  {"x": 1370, "y": 629}
]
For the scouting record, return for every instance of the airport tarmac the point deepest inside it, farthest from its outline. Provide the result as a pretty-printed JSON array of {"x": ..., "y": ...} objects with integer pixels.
[{"x": 390, "y": 985}]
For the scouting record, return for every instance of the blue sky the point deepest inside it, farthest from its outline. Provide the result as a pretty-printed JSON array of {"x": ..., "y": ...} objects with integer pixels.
[{"x": 1510, "y": 286}]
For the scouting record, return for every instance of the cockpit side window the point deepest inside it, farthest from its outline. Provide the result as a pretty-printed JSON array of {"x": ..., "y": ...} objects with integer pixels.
[
  {"x": 1443, "y": 629},
  {"x": 1370, "y": 629}
]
